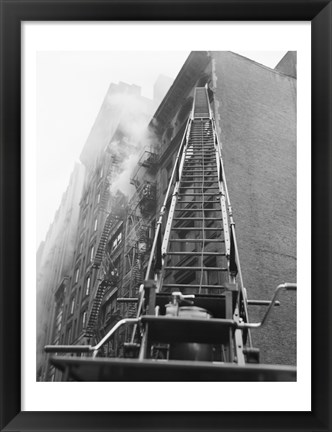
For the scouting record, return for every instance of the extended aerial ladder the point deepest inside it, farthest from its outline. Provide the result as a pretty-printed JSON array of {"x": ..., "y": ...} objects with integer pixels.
[{"x": 192, "y": 320}]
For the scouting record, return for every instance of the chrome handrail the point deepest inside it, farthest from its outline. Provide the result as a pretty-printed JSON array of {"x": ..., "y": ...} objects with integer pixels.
[
  {"x": 90, "y": 348},
  {"x": 284, "y": 286}
]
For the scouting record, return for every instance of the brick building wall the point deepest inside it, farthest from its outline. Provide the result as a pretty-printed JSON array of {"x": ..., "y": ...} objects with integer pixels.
[
  {"x": 256, "y": 114},
  {"x": 288, "y": 64}
]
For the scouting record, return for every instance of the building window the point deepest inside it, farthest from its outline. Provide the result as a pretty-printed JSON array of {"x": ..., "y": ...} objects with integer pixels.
[
  {"x": 77, "y": 274},
  {"x": 87, "y": 287},
  {"x": 117, "y": 241},
  {"x": 69, "y": 335},
  {"x": 72, "y": 306},
  {"x": 79, "y": 295},
  {"x": 92, "y": 251},
  {"x": 96, "y": 225},
  {"x": 98, "y": 198},
  {"x": 84, "y": 317}
]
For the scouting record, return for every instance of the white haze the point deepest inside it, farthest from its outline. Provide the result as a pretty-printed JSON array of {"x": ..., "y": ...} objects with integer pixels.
[{"x": 135, "y": 114}]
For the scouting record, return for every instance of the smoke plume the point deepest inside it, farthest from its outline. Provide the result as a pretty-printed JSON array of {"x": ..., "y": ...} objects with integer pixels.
[{"x": 132, "y": 137}]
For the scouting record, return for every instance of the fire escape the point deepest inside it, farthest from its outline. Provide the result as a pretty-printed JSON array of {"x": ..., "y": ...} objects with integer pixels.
[
  {"x": 137, "y": 239},
  {"x": 192, "y": 321},
  {"x": 103, "y": 269}
]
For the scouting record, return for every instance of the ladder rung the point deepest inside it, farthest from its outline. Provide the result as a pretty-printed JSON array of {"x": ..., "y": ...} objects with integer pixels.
[
  {"x": 201, "y": 163},
  {"x": 200, "y": 177},
  {"x": 198, "y": 187},
  {"x": 197, "y": 253},
  {"x": 189, "y": 170},
  {"x": 193, "y": 286},
  {"x": 198, "y": 218},
  {"x": 193, "y": 153},
  {"x": 197, "y": 229},
  {"x": 212, "y": 178},
  {"x": 207, "y": 145},
  {"x": 191, "y": 240},
  {"x": 198, "y": 156},
  {"x": 195, "y": 176},
  {"x": 204, "y": 188},
  {"x": 191, "y": 173},
  {"x": 196, "y": 268},
  {"x": 199, "y": 142},
  {"x": 197, "y": 209},
  {"x": 199, "y": 194},
  {"x": 201, "y": 145},
  {"x": 200, "y": 160},
  {"x": 188, "y": 167},
  {"x": 197, "y": 202},
  {"x": 199, "y": 135}
]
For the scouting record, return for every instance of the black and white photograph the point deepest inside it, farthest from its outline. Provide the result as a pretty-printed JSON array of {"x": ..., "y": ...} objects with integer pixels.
[
  {"x": 165, "y": 215},
  {"x": 166, "y": 240}
]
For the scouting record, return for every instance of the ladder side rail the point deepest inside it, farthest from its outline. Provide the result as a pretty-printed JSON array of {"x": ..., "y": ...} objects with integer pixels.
[
  {"x": 232, "y": 225},
  {"x": 192, "y": 115},
  {"x": 209, "y": 106},
  {"x": 158, "y": 227},
  {"x": 223, "y": 210},
  {"x": 164, "y": 206},
  {"x": 159, "y": 275},
  {"x": 174, "y": 196}
]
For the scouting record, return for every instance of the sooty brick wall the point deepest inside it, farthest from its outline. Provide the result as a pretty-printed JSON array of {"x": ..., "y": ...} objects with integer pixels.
[{"x": 256, "y": 113}]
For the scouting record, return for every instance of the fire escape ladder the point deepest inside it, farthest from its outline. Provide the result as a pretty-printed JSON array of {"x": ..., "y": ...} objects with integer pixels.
[
  {"x": 104, "y": 283},
  {"x": 95, "y": 309},
  {"x": 103, "y": 241}
]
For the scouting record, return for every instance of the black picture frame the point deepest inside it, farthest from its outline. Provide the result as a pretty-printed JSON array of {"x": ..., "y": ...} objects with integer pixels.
[{"x": 13, "y": 12}]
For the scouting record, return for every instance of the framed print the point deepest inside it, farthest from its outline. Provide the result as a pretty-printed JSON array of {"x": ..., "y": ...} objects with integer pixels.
[{"x": 127, "y": 260}]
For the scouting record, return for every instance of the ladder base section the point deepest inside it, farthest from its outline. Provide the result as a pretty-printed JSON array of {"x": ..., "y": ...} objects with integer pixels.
[
  {"x": 167, "y": 329},
  {"x": 101, "y": 369}
]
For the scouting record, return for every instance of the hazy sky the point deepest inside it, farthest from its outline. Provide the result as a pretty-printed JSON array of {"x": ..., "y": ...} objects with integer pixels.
[{"x": 70, "y": 90}]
